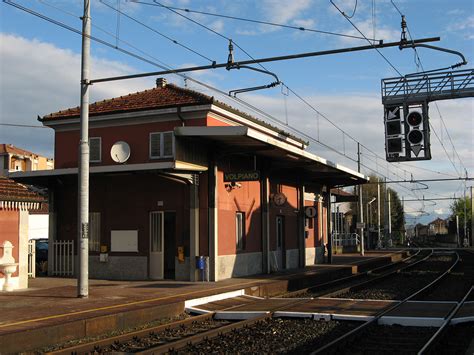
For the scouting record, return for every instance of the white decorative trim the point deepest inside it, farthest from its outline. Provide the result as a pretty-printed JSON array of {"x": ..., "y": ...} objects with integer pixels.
[{"x": 19, "y": 205}]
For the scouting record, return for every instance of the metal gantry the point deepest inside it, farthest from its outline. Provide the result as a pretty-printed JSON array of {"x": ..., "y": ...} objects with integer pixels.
[{"x": 426, "y": 87}]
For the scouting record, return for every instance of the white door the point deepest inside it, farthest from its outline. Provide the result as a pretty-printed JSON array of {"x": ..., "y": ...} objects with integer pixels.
[{"x": 156, "y": 245}]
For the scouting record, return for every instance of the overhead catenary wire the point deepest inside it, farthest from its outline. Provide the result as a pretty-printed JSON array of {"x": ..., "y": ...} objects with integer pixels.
[
  {"x": 166, "y": 67},
  {"x": 299, "y": 28},
  {"x": 119, "y": 12},
  {"x": 294, "y": 93},
  {"x": 436, "y": 104}
]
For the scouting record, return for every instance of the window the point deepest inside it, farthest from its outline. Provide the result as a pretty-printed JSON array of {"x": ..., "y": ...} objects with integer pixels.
[
  {"x": 94, "y": 231},
  {"x": 240, "y": 230},
  {"x": 161, "y": 145},
  {"x": 95, "y": 149}
]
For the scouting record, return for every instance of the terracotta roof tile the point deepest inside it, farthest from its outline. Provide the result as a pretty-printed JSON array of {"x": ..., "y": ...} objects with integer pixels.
[
  {"x": 8, "y": 148},
  {"x": 160, "y": 97},
  {"x": 13, "y": 191}
]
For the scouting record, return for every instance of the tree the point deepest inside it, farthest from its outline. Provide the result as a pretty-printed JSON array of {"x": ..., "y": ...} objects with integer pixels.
[
  {"x": 369, "y": 191},
  {"x": 457, "y": 209}
]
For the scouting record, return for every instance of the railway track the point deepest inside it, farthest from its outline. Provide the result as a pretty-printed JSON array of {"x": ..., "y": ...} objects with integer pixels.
[
  {"x": 340, "y": 285},
  {"x": 265, "y": 334},
  {"x": 366, "y": 338}
]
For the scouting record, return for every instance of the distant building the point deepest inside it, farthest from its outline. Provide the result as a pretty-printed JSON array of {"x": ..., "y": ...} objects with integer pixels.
[
  {"x": 438, "y": 227},
  {"x": 16, "y": 159}
]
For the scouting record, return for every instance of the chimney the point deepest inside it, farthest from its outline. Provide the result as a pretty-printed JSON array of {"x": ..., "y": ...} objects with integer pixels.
[{"x": 161, "y": 82}]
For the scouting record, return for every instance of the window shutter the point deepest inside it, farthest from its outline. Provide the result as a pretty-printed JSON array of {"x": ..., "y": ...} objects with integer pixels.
[
  {"x": 168, "y": 144},
  {"x": 155, "y": 145},
  {"x": 95, "y": 149}
]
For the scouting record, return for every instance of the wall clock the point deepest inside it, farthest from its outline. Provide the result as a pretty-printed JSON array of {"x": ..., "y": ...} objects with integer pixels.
[{"x": 279, "y": 199}]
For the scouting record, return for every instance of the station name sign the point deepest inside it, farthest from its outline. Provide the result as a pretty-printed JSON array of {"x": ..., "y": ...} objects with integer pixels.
[{"x": 253, "y": 175}]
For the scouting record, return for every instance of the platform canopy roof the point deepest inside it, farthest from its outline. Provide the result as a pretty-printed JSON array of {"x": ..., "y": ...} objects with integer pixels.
[{"x": 286, "y": 159}]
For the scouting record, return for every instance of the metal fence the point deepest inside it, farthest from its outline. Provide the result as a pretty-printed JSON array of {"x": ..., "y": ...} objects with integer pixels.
[
  {"x": 345, "y": 239},
  {"x": 62, "y": 257},
  {"x": 32, "y": 259}
]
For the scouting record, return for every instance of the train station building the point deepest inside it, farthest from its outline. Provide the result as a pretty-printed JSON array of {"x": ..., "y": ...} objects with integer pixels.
[{"x": 176, "y": 174}]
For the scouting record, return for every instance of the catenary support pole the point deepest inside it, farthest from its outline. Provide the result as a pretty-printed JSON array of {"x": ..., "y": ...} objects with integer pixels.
[
  {"x": 465, "y": 213},
  {"x": 379, "y": 240},
  {"x": 389, "y": 219},
  {"x": 83, "y": 172},
  {"x": 472, "y": 220},
  {"x": 361, "y": 207}
]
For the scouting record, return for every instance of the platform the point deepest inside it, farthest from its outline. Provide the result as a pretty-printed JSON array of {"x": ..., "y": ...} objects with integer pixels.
[{"x": 49, "y": 311}]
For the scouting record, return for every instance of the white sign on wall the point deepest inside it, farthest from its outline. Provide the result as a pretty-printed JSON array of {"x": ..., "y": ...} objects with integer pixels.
[{"x": 124, "y": 241}]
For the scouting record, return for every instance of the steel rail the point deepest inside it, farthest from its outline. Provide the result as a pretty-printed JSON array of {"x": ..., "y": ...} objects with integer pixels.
[
  {"x": 170, "y": 347},
  {"x": 362, "y": 327},
  {"x": 92, "y": 346},
  {"x": 379, "y": 278},
  {"x": 348, "y": 278},
  {"x": 437, "y": 336}
]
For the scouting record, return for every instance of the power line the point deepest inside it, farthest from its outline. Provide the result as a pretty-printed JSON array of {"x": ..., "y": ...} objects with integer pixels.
[
  {"x": 119, "y": 12},
  {"x": 353, "y": 12},
  {"x": 299, "y": 28},
  {"x": 298, "y": 96},
  {"x": 21, "y": 125},
  {"x": 189, "y": 78},
  {"x": 368, "y": 40},
  {"x": 436, "y": 104}
]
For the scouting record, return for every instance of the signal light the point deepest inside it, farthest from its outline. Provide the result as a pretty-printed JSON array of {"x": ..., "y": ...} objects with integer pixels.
[
  {"x": 414, "y": 118},
  {"x": 394, "y": 145},
  {"x": 415, "y": 136},
  {"x": 393, "y": 127}
]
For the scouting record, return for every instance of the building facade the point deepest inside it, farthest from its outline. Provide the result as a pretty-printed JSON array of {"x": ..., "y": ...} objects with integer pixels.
[
  {"x": 14, "y": 159},
  {"x": 175, "y": 174},
  {"x": 16, "y": 200}
]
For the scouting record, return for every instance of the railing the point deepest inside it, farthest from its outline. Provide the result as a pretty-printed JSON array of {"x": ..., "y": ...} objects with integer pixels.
[
  {"x": 32, "y": 259},
  {"x": 345, "y": 239},
  {"x": 62, "y": 257},
  {"x": 428, "y": 86}
]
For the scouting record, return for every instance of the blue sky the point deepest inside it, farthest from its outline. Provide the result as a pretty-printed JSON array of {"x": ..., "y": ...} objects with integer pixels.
[{"x": 40, "y": 67}]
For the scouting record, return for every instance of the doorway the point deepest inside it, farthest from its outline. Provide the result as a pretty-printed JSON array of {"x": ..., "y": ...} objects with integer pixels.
[
  {"x": 280, "y": 242},
  {"x": 162, "y": 245},
  {"x": 170, "y": 244}
]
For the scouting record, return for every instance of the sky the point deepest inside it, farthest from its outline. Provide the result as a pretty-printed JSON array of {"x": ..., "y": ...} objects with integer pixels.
[{"x": 332, "y": 101}]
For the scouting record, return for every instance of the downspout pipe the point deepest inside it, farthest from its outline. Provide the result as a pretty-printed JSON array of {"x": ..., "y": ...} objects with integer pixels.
[{"x": 180, "y": 116}]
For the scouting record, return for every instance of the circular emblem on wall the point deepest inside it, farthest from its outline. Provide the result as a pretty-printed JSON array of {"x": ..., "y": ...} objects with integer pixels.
[
  {"x": 279, "y": 199},
  {"x": 310, "y": 212}
]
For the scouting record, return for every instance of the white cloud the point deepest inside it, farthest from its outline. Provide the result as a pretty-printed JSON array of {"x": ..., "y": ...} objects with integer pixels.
[
  {"x": 460, "y": 25},
  {"x": 381, "y": 32},
  {"x": 284, "y": 11},
  {"x": 39, "y": 78}
]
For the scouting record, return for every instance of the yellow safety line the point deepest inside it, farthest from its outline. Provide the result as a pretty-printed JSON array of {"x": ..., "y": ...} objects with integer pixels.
[
  {"x": 115, "y": 306},
  {"x": 123, "y": 304}
]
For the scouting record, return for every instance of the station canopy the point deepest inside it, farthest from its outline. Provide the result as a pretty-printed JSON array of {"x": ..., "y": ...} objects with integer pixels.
[{"x": 286, "y": 160}]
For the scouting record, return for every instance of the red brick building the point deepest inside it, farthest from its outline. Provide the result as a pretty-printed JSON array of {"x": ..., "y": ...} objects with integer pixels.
[
  {"x": 178, "y": 194},
  {"x": 15, "y": 202}
]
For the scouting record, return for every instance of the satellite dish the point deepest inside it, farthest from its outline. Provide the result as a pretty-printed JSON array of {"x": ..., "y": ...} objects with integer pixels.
[{"x": 120, "y": 152}]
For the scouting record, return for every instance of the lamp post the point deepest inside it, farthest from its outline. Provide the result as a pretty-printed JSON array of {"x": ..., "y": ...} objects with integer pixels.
[{"x": 369, "y": 217}]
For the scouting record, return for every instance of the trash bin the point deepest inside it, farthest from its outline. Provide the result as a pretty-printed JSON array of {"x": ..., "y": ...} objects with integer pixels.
[
  {"x": 200, "y": 262},
  {"x": 201, "y": 265}
]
